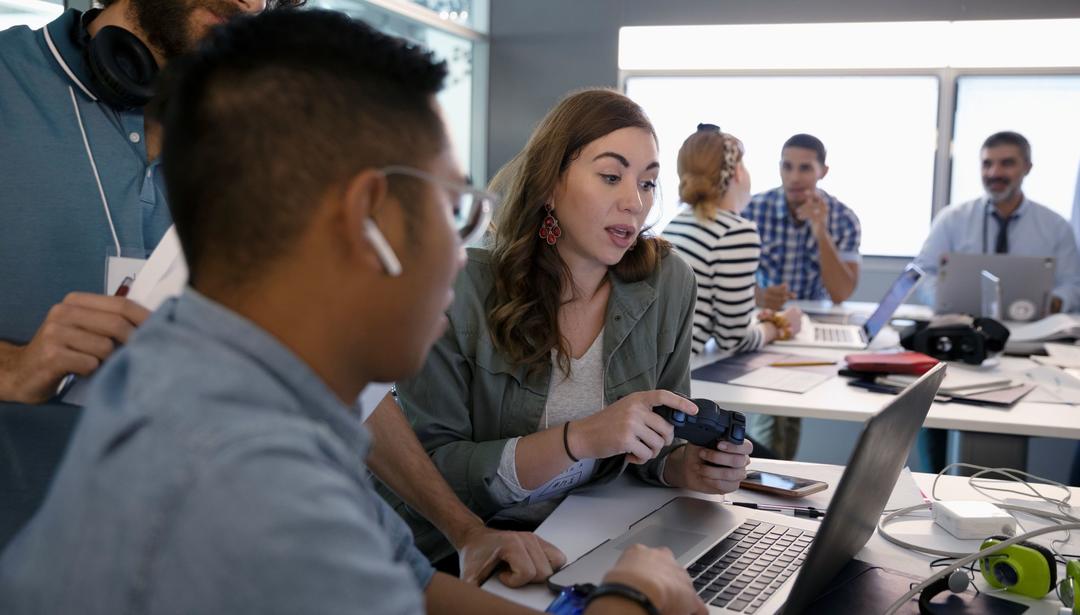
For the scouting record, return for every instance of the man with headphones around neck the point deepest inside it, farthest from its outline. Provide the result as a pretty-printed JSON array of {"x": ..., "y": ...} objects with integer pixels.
[
  {"x": 81, "y": 205},
  {"x": 67, "y": 202},
  {"x": 79, "y": 180}
]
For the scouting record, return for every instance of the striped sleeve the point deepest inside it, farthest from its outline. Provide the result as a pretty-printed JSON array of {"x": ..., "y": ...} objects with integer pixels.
[{"x": 724, "y": 254}]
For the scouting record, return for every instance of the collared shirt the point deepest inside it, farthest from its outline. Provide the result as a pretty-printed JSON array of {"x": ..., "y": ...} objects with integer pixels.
[
  {"x": 213, "y": 472},
  {"x": 789, "y": 251},
  {"x": 469, "y": 400},
  {"x": 1034, "y": 230},
  {"x": 54, "y": 233}
]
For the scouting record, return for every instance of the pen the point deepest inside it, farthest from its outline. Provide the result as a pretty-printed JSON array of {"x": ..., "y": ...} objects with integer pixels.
[
  {"x": 808, "y": 512},
  {"x": 121, "y": 291},
  {"x": 800, "y": 363}
]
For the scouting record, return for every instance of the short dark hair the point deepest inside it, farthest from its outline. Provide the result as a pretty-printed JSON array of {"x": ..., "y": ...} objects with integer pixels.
[
  {"x": 1008, "y": 137},
  {"x": 809, "y": 142},
  {"x": 272, "y": 112}
]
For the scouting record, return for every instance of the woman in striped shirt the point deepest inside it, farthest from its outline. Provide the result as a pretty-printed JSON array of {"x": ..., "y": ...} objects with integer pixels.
[{"x": 722, "y": 248}]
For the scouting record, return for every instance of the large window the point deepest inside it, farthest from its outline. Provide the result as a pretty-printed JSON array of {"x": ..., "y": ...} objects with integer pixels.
[
  {"x": 880, "y": 135},
  {"x": 33, "y": 13},
  {"x": 463, "y": 49},
  {"x": 902, "y": 121},
  {"x": 1045, "y": 109}
]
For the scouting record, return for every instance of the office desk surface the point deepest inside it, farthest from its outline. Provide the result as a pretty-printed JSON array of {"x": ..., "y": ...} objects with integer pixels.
[
  {"x": 587, "y": 519},
  {"x": 835, "y": 400}
]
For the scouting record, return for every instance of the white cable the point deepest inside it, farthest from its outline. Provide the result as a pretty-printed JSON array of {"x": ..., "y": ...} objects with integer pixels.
[
  {"x": 1052, "y": 516},
  {"x": 902, "y": 600},
  {"x": 1015, "y": 476},
  {"x": 93, "y": 167},
  {"x": 63, "y": 65}
]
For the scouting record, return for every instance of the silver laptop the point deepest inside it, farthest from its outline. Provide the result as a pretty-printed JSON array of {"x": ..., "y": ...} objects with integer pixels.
[
  {"x": 1026, "y": 283},
  {"x": 748, "y": 561},
  {"x": 824, "y": 335}
]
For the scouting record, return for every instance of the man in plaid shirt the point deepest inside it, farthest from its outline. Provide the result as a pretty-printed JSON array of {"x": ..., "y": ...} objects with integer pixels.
[
  {"x": 809, "y": 239},
  {"x": 809, "y": 250}
]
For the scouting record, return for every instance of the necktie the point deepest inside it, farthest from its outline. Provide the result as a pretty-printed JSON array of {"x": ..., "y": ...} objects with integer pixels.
[{"x": 1001, "y": 246}]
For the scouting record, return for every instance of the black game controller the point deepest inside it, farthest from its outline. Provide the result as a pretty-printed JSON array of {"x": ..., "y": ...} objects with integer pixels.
[{"x": 710, "y": 426}]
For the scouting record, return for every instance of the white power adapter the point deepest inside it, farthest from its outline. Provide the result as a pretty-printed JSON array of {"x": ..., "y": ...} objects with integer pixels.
[{"x": 973, "y": 520}]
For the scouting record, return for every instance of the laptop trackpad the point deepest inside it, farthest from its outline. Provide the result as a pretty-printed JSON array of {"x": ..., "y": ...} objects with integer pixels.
[{"x": 679, "y": 541}]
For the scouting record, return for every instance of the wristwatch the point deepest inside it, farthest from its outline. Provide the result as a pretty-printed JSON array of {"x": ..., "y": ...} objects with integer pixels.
[{"x": 623, "y": 591}]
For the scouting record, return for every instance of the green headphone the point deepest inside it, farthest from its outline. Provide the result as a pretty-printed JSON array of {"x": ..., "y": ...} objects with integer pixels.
[{"x": 1030, "y": 570}]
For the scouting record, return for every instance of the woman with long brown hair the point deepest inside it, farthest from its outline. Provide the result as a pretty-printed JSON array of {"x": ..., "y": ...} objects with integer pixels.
[{"x": 566, "y": 332}]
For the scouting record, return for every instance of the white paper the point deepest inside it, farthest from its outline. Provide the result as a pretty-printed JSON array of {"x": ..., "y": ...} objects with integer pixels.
[
  {"x": 1053, "y": 327},
  {"x": 781, "y": 379},
  {"x": 1054, "y": 386},
  {"x": 957, "y": 380},
  {"x": 162, "y": 277},
  {"x": 1061, "y": 355},
  {"x": 164, "y": 274}
]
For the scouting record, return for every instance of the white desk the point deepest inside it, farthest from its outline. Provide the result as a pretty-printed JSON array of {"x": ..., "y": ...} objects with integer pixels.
[
  {"x": 586, "y": 519},
  {"x": 996, "y": 433}
]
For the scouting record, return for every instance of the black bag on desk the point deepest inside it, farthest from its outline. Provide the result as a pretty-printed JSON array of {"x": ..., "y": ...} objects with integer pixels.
[{"x": 957, "y": 337}]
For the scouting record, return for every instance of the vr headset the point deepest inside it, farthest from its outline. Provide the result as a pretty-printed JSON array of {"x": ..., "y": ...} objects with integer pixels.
[{"x": 957, "y": 337}]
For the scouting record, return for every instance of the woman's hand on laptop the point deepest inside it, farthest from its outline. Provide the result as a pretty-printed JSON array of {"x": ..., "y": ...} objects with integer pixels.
[
  {"x": 688, "y": 467},
  {"x": 655, "y": 573}
]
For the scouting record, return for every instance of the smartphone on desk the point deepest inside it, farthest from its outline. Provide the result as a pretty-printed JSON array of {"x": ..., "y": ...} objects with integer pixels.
[{"x": 782, "y": 484}]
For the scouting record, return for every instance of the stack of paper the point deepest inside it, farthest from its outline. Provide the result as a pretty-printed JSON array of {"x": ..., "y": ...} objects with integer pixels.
[
  {"x": 1053, "y": 327},
  {"x": 958, "y": 381}
]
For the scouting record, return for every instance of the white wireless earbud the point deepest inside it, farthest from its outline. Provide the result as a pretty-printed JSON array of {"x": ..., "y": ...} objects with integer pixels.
[{"x": 385, "y": 253}]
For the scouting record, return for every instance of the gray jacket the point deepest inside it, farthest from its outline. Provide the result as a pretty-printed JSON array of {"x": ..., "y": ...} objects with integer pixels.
[{"x": 468, "y": 400}]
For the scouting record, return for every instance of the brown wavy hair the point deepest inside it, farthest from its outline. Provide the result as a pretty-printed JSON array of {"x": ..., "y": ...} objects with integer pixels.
[{"x": 530, "y": 276}]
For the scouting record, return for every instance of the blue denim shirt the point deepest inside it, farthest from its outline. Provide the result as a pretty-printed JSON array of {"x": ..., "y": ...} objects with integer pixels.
[
  {"x": 213, "y": 472},
  {"x": 54, "y": 234}
]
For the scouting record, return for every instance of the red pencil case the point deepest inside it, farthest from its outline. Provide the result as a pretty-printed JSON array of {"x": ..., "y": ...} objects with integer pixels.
[{"x": 907, "y": 362}]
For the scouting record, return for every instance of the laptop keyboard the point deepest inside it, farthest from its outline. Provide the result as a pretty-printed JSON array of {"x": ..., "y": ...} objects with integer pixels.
[
  {"x": 832, "y": 334},
  {"x": 746, "y": 568}
]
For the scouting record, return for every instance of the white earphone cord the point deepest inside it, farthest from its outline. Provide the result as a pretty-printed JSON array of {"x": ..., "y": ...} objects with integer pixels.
[
  {"x": 1064, "y": 520},
  {"x": 93, "y": 167}
]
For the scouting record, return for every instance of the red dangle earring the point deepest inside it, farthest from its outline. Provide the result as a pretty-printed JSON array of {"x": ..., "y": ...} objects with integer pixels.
[{"x": 549, "y": 230}]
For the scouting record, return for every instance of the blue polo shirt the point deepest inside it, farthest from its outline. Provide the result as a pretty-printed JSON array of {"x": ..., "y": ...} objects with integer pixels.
[
  {"x": 213, "y": 471},
  {"x": 54, "y": 234}
]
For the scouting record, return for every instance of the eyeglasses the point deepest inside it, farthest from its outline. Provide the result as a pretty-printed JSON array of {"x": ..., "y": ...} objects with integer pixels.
[
  {"x": 472, "y": 208},
  {"x": 708, "y": 127}
]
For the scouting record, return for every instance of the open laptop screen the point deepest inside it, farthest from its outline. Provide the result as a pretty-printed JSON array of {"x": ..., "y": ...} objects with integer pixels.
[{"x": 896, "y": 294}]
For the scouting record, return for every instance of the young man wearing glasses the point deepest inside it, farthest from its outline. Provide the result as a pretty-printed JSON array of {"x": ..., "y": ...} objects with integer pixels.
[{"x": 219, "y": 467}]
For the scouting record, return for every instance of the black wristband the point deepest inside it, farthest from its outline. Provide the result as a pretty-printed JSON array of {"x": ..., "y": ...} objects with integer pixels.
[
  {"x": 566, "y": 441},
  {"x": 623, "y": 591}
]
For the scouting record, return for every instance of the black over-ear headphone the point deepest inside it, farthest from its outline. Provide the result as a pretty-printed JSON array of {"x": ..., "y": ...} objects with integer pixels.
[{"x": 121, "y": 65}]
